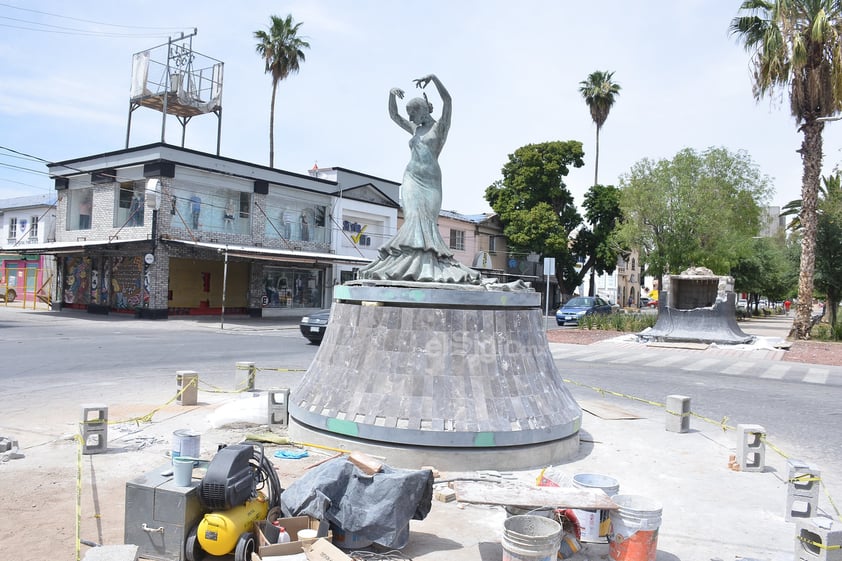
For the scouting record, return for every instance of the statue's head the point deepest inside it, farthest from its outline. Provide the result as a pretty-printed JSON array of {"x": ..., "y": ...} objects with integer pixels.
[{"x": 418, "y": 109}]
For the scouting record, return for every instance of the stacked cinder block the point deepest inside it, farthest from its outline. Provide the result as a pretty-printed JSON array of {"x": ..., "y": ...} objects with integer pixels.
[
  {"x": 818, "y": 539},
  {"x": 678, "y": 413},
  {"x": 751, "y": 448},
  {"x": 93, "y": 428},
  {"x": 188, "y": 387},
  {"x": 278, "y": 407},
  {"x": 802, "y": 495}
]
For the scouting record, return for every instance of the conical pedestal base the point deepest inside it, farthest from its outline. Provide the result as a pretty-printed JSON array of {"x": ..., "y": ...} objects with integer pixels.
[{"x": 462, "y": 374}]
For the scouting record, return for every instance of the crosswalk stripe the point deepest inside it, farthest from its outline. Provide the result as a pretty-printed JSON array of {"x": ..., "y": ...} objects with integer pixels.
[
  {"x": 599, "y": 356},
  {"x": 668, "y": 360},
  {"x": 701, "y": 364},
  {"x": 776, "y": 372},
  {"x": 627, "y": 359},
  {"x": 738, "y": 367},
  {"x": 816, "y": 376}
]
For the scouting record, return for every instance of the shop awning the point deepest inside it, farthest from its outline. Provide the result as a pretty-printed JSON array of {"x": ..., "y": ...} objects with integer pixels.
[
  {"x": 251, "y": 252},
  {"x": 268, "y": 254}
]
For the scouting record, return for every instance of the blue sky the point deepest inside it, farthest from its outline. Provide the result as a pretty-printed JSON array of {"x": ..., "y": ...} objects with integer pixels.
[{"x": 512, "y": 68}]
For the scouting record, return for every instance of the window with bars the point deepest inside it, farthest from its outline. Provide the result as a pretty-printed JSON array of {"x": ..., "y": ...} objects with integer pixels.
[
  {"x": 457, "y": 240},
  {"x": 13, "y": 226},
  {"x": 33, "y": 227}
]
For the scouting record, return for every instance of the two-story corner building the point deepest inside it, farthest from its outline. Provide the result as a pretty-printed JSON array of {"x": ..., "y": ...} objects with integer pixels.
[
  {"x": 159, "y": 230},
  {"x": 26, "y": 222},
  {"x": 477, "y": 241}
]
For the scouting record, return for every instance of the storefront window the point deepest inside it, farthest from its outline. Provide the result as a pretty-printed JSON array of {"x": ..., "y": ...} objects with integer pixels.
[
  {"x": 130, "y": 204},
  {"x": 79, "y": 209},
  {"x": 296, "y": 221},
  {"x": 293, "y": 288},
  {"x": 225, "y": 210}
]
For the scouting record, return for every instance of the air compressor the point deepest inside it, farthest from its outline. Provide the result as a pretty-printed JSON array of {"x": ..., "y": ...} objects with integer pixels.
[{"x": 239, "y": 488}]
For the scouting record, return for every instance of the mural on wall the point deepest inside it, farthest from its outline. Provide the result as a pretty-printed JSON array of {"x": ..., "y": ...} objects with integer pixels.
[
  {"x": 126, "y": 283},
  {"x": 77, "y": 280}
]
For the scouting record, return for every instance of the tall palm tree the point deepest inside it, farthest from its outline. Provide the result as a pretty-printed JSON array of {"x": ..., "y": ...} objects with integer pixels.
[
  {"x": 795, "y": 46},
  {"x": 599, "y": 92},
  {"x": 282, "y": 50}
]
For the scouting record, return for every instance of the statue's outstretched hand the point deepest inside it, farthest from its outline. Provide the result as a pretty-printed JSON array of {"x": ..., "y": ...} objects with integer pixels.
[
  {"x": 422, "y": 82},
  {"x": 397, "y": 92}
]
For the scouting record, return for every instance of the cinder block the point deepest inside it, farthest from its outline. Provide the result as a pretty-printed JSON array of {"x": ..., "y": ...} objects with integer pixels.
[
  {"x": 93, "y": 428},
  {"x": 751, "y": 450},
  {"x": 802, "y": 495},
  {"x": 125, "y": 552},
  {"x": 818, "y": 539},
  {"x": 678, "y": 413},
  {"x": 188, "y": 381},
  {"x": 244, "y": 377},
  {"x": 279, "y": 407}
]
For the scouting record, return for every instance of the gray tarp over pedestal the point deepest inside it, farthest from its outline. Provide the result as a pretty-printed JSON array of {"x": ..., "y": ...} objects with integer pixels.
[{"x": 377, "y": 507}]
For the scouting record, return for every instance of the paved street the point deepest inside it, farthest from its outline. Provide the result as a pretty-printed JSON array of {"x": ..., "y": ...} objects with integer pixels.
[{"x": 64, "y": 359}]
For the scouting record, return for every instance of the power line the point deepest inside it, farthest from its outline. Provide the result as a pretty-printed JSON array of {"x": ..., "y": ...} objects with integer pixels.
[
  {"x": 83, "y": 33},
  {"x": 86, "y": 20}
]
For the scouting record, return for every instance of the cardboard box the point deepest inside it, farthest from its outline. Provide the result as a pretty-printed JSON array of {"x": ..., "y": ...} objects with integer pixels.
[
  {"x": 266, "y": 535},
  {"x": 323, "y": 550}
]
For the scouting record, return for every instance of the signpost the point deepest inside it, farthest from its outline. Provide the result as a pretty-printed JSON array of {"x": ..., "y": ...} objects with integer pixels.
[{"x": 549, "y": 269}]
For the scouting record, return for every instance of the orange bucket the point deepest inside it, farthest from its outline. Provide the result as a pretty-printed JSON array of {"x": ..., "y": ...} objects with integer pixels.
[{"x": 634, "y": 529}]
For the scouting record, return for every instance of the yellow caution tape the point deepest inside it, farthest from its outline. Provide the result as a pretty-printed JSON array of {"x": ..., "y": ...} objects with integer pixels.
[
  {"x": 723, "y": 424},
  {"x": 677, "y": 414},
  {"x": 817, "y": 544}
]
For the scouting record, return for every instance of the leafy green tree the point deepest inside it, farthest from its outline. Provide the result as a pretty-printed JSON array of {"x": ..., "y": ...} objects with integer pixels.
[
  {"x": 795, "y": 48},
  {"x": 599, "y": 242},
  {"x": 765, "y": 270},
  {"x": 282, "y": 51},
  {"x": 694, "y": 210},
  {"x": 536, "y": 207},
  {"x": 829, "y": 255},
  {"x": 828, "y": 273},
  {"x": 599, "y": 93}
]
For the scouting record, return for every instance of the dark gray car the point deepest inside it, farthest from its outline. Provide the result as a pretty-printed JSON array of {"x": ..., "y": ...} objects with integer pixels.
[{"x": 313, "y": 326}]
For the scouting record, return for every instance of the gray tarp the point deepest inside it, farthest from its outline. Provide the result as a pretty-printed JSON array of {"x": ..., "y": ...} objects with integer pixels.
[{"x": 377, "y": 507}]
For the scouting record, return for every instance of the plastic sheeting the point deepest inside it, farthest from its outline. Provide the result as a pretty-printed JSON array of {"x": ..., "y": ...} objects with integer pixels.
[{"x": 376, "y": 507}]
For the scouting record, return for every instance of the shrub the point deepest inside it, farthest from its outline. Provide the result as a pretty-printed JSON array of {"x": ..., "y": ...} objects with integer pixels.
[{"x": 627, "y": 323}]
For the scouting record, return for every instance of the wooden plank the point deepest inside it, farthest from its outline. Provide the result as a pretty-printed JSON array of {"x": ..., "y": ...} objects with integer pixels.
[
  {"x": 606, "y": 411},
  {"x": 526, "y": 496}
]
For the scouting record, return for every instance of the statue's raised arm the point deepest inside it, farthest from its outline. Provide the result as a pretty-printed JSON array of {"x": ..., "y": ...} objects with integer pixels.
[
  {"x": 444, "y": 120},
  {"x": 402, "y": 122}
]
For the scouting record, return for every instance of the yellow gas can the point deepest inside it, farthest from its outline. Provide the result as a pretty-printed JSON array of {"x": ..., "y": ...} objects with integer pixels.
[{"x": 218, "y": 532}]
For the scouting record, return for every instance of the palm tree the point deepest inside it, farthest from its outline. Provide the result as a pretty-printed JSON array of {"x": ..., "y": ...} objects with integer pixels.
[
  {"x": 795, "y": 46},
  {"x": 282, "y": 51},
  {"x": 599, "y": 91}
]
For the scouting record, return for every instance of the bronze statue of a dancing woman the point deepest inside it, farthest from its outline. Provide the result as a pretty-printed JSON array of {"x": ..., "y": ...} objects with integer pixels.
[{"x": 418, "y": 252}]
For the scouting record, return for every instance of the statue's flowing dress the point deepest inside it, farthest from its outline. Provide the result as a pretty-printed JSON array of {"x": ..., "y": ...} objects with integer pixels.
[{"x": 418, "y": 252}]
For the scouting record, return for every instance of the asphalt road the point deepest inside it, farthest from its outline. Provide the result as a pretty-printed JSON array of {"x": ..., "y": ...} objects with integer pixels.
[{"x": 63, "y": 359}]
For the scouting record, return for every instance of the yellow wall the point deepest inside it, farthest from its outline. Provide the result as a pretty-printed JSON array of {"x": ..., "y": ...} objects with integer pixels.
[{"x": 187, "y": 283}]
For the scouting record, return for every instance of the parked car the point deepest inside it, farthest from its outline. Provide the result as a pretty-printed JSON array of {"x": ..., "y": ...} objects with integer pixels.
[
  {"x": 580, "y": 306},
  {"x": 313, "y": 326},
  {"x": 8, "y": 295}
]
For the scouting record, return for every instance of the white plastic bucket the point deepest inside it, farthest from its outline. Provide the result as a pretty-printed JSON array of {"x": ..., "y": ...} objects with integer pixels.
[
  {"x": 544, "y": 511},
  {"x": 634, "y": 529},
  {"x": 530, "y": 538},
  {"x": 594, "y": 524},
  {"x": 186, "y": 443}
]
